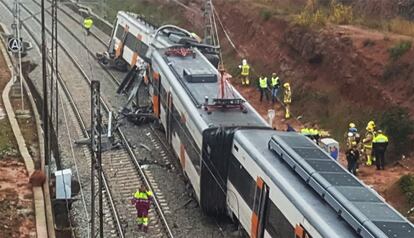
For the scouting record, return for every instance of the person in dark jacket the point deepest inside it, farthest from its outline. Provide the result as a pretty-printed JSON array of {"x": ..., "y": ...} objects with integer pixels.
[
  {"x": 352, "y": 157},
  {"x": 290, "y": 128},
  {"x": 379, "y": 146}
]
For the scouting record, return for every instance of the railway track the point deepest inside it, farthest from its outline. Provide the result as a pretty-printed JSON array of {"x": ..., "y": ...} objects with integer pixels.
[{"x": 122, "y": 170}]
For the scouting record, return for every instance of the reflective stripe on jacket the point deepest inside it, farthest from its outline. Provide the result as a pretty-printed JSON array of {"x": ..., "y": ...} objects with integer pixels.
[
  {"x": 287, "y": 96},
  {"x": 245, "y": 70}
]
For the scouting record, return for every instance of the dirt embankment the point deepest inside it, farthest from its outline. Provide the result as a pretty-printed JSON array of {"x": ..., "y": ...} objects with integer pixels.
[{"x": 16, "y": 198}]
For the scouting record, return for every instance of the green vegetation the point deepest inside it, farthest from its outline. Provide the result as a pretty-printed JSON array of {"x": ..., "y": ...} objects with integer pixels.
[
  {"x": 406, "y": 184},
  {"x": 7, "y": 142},
  {"x": 319, "y": 13},
  {"x": 399, "y": 49},
  {"x": 265, "y": 14},
  {"x": 397, "y": 124},
  {"x": 157, "y": 13}
]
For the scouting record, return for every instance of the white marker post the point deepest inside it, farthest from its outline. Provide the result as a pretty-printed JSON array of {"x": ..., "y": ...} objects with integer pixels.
[{"x": 271, "y": 113}]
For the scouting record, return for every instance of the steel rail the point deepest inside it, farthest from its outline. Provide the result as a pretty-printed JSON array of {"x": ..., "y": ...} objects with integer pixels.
[
  {"x": 82, "y": 43},
  {"x": 121, "y": 134},
  {"x": 80, "y": 121}
]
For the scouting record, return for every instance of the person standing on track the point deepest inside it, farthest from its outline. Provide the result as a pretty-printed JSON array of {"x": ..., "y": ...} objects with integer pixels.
[
  {"x": 87, "y": 24},
  {"x": 142, "y": 201}
]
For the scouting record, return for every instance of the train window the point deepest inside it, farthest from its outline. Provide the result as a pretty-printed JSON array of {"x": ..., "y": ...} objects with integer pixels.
[
  {"x": 276, "y": 223},
  {"x": 141, "y": 48},
  {"x": 242, "y": 181},
  {"x": 131, "y": 41},
  {"x": 119, "y": 31},
  {"x": 236, "y": 148}
]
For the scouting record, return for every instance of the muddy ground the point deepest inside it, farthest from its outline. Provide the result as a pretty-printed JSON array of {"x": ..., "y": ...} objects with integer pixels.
[{"x": 16, "y": 198}]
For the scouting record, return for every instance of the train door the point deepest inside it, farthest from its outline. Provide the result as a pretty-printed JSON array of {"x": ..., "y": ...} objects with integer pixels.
[
  {"x": 156, "y": 92},
  {"x": 261, "y": 198},
  {"x": 169, "y": 116}
]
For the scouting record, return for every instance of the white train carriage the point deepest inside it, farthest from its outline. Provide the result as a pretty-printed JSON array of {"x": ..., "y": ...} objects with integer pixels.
[{"x": 275, "y": 184}]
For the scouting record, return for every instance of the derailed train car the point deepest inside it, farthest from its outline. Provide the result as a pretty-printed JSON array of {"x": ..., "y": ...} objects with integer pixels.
[{"x": 275, "y": 184}]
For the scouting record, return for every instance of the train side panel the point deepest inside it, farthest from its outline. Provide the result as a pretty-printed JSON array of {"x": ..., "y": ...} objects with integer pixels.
[
  {"x": 181, "y": 131},
  {"x": 243, "y": 174}
]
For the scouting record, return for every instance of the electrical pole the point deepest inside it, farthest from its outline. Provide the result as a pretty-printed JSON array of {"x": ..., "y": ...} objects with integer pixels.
[
  {"x": 96, "y": 161},
  {"x": 17, "y": 24},
  {"x": 56, "y": 72},
  {"x": 44, "y": 77},
  {"x": 207, "y": 23}
]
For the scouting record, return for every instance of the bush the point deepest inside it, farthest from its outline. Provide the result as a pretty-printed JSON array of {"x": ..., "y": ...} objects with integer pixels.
[
  {"x": 406, "y": 184},
  {"x": 316, "y": 13},
  {"x": 399, "y": 127},
  {"x": 265, "y": 14},
  {"x": 399, "y": 49},
  {"x": 306, "y": 18},
  {"x": 340, "y": 14}
]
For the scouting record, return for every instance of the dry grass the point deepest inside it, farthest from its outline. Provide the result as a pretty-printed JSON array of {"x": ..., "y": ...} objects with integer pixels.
[
  {"x": 317, "y": 14},
  {"x": 401, "y": 26}
]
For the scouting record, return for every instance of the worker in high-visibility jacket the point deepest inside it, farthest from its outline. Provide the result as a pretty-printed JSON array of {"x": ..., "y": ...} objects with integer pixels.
[
  {"x": 275, "y": 84},
  {"x": 379, "y": 145},
  {"x": 245, "y": 72},
  {"x": 263, "y": 88},
  {"x": 287, "y": 99},
  {"x": 367, "y": 144},
  {"x": 87, "y": 24},
  {"x": 142, "y": 201}
]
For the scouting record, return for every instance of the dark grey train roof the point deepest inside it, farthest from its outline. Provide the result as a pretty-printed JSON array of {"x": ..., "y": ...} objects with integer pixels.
[
  {"x": 199, "y": 90},
  {"x": 358, "y": 205},
  {"x": 317, "y": 210},
  {"x": 313, "y": 208}
]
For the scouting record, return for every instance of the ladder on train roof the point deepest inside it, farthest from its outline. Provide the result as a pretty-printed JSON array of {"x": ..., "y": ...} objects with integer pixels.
[{"x": 357, "y": 204}]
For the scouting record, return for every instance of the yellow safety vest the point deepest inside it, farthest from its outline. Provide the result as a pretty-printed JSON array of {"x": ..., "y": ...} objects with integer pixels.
[
  {"x": 305, "y": 131},
  {"x": 380, "y": 138},
  {"x": 263, "y": 82},
  {"x": 275, "y": 81},
  {"x": 87, "y": 23},
  {"x": 143, "y": 195},
  {"x": 245, "y": 70}
]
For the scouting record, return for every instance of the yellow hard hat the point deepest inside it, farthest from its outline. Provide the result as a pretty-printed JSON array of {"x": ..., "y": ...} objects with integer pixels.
[
  {"x": 371, "y": 124},
  {"x": 352, "y": 125},
  {"x": 286, "y": 85}
]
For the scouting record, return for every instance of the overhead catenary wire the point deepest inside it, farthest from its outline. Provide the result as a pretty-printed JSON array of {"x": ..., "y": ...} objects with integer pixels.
[{"x": 74, "y": 161}]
